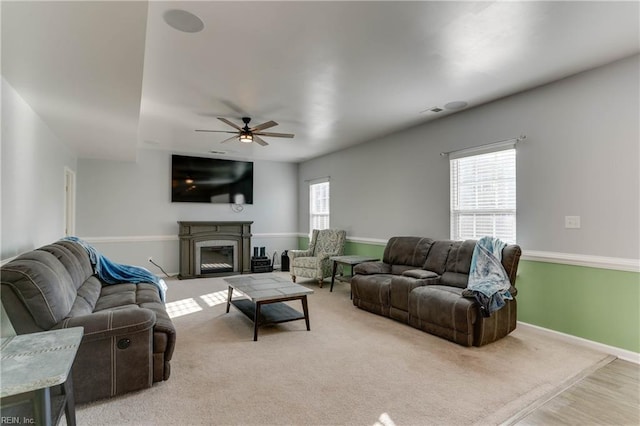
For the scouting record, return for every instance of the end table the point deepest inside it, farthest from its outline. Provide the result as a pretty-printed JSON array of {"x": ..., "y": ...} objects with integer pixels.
[
  {"x": 32, "y": 364},
  {"x": 347, "y": 260}
]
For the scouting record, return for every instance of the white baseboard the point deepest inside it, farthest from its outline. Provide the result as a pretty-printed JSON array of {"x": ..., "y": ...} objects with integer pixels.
[{"x": 612, "y": 350}]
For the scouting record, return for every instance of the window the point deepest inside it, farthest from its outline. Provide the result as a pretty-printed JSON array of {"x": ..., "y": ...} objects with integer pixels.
[
  {"x": 319, "y": 204},
  {"x": 483, "y": 194}
]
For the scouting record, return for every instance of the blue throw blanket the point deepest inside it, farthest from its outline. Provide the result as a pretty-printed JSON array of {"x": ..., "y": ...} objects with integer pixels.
[
  {"x": 116, "y": 273},
  {"x": 488, "y": 280}
]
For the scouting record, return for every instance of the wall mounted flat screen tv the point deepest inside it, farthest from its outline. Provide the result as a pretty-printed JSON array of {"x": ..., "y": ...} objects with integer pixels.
[{"x": 211, "y": 180}]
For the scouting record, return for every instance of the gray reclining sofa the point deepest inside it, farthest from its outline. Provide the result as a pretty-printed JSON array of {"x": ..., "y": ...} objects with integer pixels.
[
  {"x": 420, "y": 282},
  {"x": 128, "y": 337}
]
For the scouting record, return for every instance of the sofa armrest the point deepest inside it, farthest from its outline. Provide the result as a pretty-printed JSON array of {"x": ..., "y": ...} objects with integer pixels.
[
  {"x": 112, "y": 322},
  {"x": 116, "y": 354},
  {"x": 370, "y": 268}
]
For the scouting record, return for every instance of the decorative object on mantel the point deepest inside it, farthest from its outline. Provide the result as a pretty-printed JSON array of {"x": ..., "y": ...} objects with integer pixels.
[{"x": 214, "y": 248}]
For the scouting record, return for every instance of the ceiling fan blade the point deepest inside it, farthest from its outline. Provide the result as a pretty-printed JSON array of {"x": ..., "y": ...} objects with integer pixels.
[
  {"x": 230, "y": 139},
  {"x": 259, "y": 140},
  {"x": 264, "y": 126},
  {"x": 230, "y": 123},
  {"x": 275, "y": 135},
  {"x": 215, "y": 131}
]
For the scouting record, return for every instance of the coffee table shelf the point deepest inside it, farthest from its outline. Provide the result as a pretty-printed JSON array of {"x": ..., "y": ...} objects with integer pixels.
[
  {"x": 272, "y": 313},
  {"x": 265, "y": 297}
]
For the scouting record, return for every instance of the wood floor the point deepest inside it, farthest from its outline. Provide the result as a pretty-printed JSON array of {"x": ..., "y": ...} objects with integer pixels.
[{"x": 608, "y": 396}]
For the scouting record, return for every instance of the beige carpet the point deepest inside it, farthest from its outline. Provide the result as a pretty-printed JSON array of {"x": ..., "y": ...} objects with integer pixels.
[{"x": 353, "y": 367}]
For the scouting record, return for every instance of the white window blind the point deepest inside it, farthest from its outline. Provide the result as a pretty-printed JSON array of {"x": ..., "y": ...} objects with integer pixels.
[
  {"x": 319, "y": 205},
  {"x": 483, "y": 195}
]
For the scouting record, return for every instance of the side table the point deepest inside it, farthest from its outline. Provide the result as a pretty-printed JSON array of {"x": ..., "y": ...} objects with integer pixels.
[
  {"x": 33, "y": 364},
  {"x": 347, "y": 260}
]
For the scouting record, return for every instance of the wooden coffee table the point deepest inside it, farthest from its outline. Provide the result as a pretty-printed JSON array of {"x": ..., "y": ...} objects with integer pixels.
[{"x": 265, "y": 294}]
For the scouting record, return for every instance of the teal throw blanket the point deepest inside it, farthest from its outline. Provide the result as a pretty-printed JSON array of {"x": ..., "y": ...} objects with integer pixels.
[{"x": 116, "y": 273}]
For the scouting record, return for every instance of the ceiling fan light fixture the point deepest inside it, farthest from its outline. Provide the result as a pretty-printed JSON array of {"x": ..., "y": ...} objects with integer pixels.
[{"x": 246, "y": 137}]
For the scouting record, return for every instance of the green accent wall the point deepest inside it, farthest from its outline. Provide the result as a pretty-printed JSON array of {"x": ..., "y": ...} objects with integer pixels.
[{"x": 601, "y": 305}]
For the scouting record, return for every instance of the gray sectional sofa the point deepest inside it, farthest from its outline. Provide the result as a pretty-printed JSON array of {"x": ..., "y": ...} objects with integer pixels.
[
  {"x": 128, "y": 336},
  {"x": 420, "y": 281}
]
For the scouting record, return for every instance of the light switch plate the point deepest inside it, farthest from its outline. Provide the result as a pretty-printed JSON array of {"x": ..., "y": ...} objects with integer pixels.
[{"x": 572, "y": 222}]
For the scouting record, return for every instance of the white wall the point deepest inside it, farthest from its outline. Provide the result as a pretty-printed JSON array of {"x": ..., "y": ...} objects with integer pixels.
[
  {"x": 125, "y": 208},
  {"x": 581, "y": 157},
  {"x": 33, "y": 167}
]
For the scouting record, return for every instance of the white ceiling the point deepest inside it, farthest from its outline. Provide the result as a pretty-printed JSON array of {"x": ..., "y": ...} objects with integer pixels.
[{"x": 110, "y": 78}]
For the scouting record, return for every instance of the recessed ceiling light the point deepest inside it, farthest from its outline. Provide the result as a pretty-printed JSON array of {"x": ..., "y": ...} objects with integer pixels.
[
  {"x": 456, "y": 105},
  {"x": 183, "y": 21}
]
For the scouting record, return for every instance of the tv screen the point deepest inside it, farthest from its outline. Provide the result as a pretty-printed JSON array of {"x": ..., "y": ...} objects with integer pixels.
[{"x": 211, "y": 180}]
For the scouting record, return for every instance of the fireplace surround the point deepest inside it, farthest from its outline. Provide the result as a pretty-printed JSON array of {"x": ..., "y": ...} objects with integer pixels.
[{"x": 214, "y": 248}]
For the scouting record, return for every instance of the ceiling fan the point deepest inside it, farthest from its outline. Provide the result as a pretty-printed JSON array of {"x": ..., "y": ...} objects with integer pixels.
[{"x": 248, "y": 135}]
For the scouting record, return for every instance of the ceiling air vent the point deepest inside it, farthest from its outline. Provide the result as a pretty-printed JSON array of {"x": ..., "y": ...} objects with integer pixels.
[{"x": 432, "y": 109}]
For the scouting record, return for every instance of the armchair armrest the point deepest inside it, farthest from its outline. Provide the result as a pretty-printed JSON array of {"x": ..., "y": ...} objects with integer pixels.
[
  {"x": 370, "y": 268},
  {"x": 298, "y": 253},
  {"x": 324, "y": 256},
  {"x": 109, "y": 323}
]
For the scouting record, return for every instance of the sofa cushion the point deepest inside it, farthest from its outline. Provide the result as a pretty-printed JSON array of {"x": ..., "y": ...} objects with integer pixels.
[
  {"x": 441, "y": 310},
  {"x": 90, "y": 291},
  {"x": 460, "y": 254},
  {"x": 458, "y": 264},
  {"x": 410, "y": 251},
  {"x": 401, "y": 269},
  {"x": 78, "y": 268},
  {"x": 399, "y": 290},
  {"x": 86, "y": 297},
  {"x": 368, "y": 268},
  {"x": 44, "y": 286},
  {"x": 371, "y": 292},
  {"x": 454, "y": 279},
  {"x": 437, "y": 258},
  {"x": 113, "y": 296},
  {"x": 80, "y": 253}
]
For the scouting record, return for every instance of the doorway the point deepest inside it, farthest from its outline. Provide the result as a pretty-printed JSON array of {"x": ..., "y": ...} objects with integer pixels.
[{"x": 69, "y": 202}]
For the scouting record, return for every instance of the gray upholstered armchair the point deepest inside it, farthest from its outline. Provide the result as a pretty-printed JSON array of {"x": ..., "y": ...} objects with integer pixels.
[{"x": 314, "y": 262}]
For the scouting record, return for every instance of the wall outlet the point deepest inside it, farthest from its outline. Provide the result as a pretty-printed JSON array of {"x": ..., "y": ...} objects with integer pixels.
[{"x": 572, "y": 222}]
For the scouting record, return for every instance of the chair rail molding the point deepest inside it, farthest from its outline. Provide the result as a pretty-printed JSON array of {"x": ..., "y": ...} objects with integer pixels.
[
  {"x": 575, "y": 259},
  {"x": 602, "y": 262}
]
